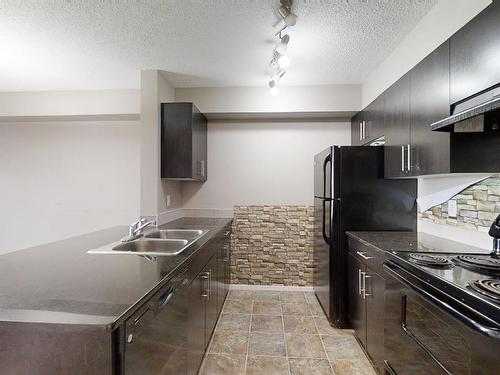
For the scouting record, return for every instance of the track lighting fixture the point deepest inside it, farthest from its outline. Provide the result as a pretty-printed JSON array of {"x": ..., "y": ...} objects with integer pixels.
[{"x": 280, "y": 59}]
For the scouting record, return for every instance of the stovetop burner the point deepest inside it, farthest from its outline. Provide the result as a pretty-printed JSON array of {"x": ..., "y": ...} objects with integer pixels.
[
  {"x": 430, "y": 260},
  {"x": 485, "y": 263},
  {"x": 487, "y": 287}
]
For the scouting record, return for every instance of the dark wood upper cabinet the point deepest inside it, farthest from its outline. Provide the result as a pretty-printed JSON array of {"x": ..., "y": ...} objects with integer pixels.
[
  {"x": 356, "y": 129},
  {"x": 183, "y": 142},
  {"x": 397, "y": 127},
  {"x": 475, "y": 55},
  {"x": 429, "y": 152},
  {"x": 368, "y": 125},
  {"x": 374, "y": 119}
]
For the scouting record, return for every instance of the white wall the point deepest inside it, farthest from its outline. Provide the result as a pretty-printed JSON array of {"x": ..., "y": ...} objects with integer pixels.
[
  {"x": 442, "y": 21},
  {"x": 155, "y": 192},
  {"x": 262, "y": 163},
  {"x": 62, "y": 179}
]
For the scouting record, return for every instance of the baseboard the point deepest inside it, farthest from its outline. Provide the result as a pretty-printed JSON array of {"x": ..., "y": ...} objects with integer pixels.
[{"x": 272, "y": 288}]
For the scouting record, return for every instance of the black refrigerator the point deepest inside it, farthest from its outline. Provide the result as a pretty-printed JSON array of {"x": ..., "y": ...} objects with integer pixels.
[{"x": 351, "y": 194}]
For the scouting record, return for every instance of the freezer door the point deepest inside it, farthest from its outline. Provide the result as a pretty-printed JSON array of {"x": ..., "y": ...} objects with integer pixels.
[{"x": 323, "y": 174}]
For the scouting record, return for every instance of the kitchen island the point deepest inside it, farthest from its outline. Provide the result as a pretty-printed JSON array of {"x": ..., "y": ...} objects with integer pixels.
[{"x": 63, "y": 310}]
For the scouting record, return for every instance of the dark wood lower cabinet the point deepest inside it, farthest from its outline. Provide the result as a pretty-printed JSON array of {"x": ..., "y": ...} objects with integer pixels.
[
  {"x": 357, "y": 311},
  {"x": 366, "y": 300},
  {"x": 375, "y": 289}
]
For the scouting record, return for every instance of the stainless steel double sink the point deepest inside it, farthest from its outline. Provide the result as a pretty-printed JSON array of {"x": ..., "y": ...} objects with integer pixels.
[{"x": 162, "y": 242}]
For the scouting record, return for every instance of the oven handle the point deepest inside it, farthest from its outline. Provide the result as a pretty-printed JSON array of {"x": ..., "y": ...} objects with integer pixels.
[
  {"x": 388, "y": 368},
  {"x": 493, "y": 332}
]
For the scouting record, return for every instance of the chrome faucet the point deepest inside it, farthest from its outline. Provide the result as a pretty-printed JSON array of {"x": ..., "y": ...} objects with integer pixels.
[{"x": 135, "y": 229}]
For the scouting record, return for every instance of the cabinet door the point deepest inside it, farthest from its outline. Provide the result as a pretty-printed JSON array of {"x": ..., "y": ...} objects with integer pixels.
[
  {"x": 197, "y": 294},
  {"x": 212, "y": 312},
  {"x": 429, "y": 102},
  {"x": 375, "y": 302},
  {"x": 356, "y": 124},
  {"x": 223, "y": 268},
  {"x": 397, "y": 127},
  {"x": 474, "y": 54},
  {"x": 356, "y": 309},
  {"x": 199, "y": 157},
  {"x": 374, "y": 120}
]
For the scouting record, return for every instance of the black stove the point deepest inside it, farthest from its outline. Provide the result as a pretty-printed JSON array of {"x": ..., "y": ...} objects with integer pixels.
[{"x": 474, "y": 275}]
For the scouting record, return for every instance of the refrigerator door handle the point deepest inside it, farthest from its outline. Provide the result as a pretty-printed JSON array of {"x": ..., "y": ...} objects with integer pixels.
[
  {"x": 328, "y": 159},
  {"x": 325, "y": 237}
]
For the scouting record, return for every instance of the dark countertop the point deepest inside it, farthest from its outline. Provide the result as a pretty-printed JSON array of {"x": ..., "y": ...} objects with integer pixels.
[
  {"x": 60, "y": 283},
  {"x": 412, "y": 242}
]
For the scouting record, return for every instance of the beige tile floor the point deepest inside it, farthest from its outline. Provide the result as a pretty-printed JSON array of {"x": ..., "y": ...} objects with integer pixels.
[{"x": 280, "y": 333}]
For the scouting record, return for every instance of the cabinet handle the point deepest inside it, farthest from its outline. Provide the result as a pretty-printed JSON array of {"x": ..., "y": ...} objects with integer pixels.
[
  {"x": 359, "y": 281},
  {"x": 362, "y": 255},
  {"x": 205, "y": 291},
  {"x": 360, "y": 131},
  {"x": 365, "y": 276},
  {"x": 202, "y": 168},
  {"x": 364, "y": 129},
  {"x": 409, "y": 158},
  {"x": 402, "y": 158},
  {"x": 209, "y": 284}
]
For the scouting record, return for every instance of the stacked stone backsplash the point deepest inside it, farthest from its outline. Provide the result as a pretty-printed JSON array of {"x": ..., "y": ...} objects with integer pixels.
[
  {"x": 478, "y": 206},
  {"x": 272, "y": 245}
]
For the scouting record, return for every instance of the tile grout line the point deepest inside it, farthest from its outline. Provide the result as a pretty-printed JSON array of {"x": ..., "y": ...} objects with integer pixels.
[
  {"x": 249, "y": 335},
  {"x": 284, "y": 336},
  {"x": 320, "y": 337}
]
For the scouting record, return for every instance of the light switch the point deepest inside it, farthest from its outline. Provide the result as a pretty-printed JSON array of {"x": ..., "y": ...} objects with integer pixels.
[{"x": 452, "y": 208}]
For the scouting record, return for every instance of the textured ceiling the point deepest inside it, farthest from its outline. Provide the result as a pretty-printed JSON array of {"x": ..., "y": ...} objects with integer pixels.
[{"x": 93, "y": 44}]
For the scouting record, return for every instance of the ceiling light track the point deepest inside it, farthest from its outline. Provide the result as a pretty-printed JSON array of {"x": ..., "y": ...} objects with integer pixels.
[{"x": 280, "y": 60}]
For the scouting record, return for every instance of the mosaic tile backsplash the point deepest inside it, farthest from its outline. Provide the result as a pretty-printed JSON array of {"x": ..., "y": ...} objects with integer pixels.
[
  {"x": 478, "y": 206},
  {"x": 272, "y": 245}
]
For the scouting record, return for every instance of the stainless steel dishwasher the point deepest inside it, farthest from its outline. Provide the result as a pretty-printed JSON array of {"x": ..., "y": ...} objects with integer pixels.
[{"x": 156, "y": 335}]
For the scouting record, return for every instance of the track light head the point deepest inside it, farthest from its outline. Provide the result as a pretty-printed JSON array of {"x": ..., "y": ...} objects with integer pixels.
[
  {"x": 282, "y": 45},
  {"x": 286, "y": 13},
  {"x": 273, "y": 86}
]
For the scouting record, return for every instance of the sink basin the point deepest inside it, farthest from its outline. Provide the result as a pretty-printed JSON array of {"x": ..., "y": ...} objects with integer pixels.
[
  {"x": 167, "y": 247},
  {"x": 184, "y": 234},
  {"x": 163, "y": 242}
]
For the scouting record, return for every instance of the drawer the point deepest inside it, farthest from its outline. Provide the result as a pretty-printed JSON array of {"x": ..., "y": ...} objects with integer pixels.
[{"x": 367, "y": 255}]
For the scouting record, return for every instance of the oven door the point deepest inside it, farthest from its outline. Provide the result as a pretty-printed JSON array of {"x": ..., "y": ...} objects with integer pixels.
[{"x": 428, "y": 332}]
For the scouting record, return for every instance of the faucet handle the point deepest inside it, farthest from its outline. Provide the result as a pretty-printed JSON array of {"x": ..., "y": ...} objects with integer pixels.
[{"x": 495, "y": 228}]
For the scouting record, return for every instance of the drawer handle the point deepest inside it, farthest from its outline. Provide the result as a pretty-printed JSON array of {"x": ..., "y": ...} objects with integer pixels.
[
  {"x": 138, "y": 319},
  {"x": 362, "y": 255}
]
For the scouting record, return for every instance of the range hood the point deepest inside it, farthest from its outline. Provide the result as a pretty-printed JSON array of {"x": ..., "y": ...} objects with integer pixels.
[{"x": 469, "y": 111}]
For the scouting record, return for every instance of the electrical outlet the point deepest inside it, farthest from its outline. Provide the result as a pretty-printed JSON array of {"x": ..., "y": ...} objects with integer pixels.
[
  {"x": 452, "y": 208},
  {"x": 168, "y": 200}
]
